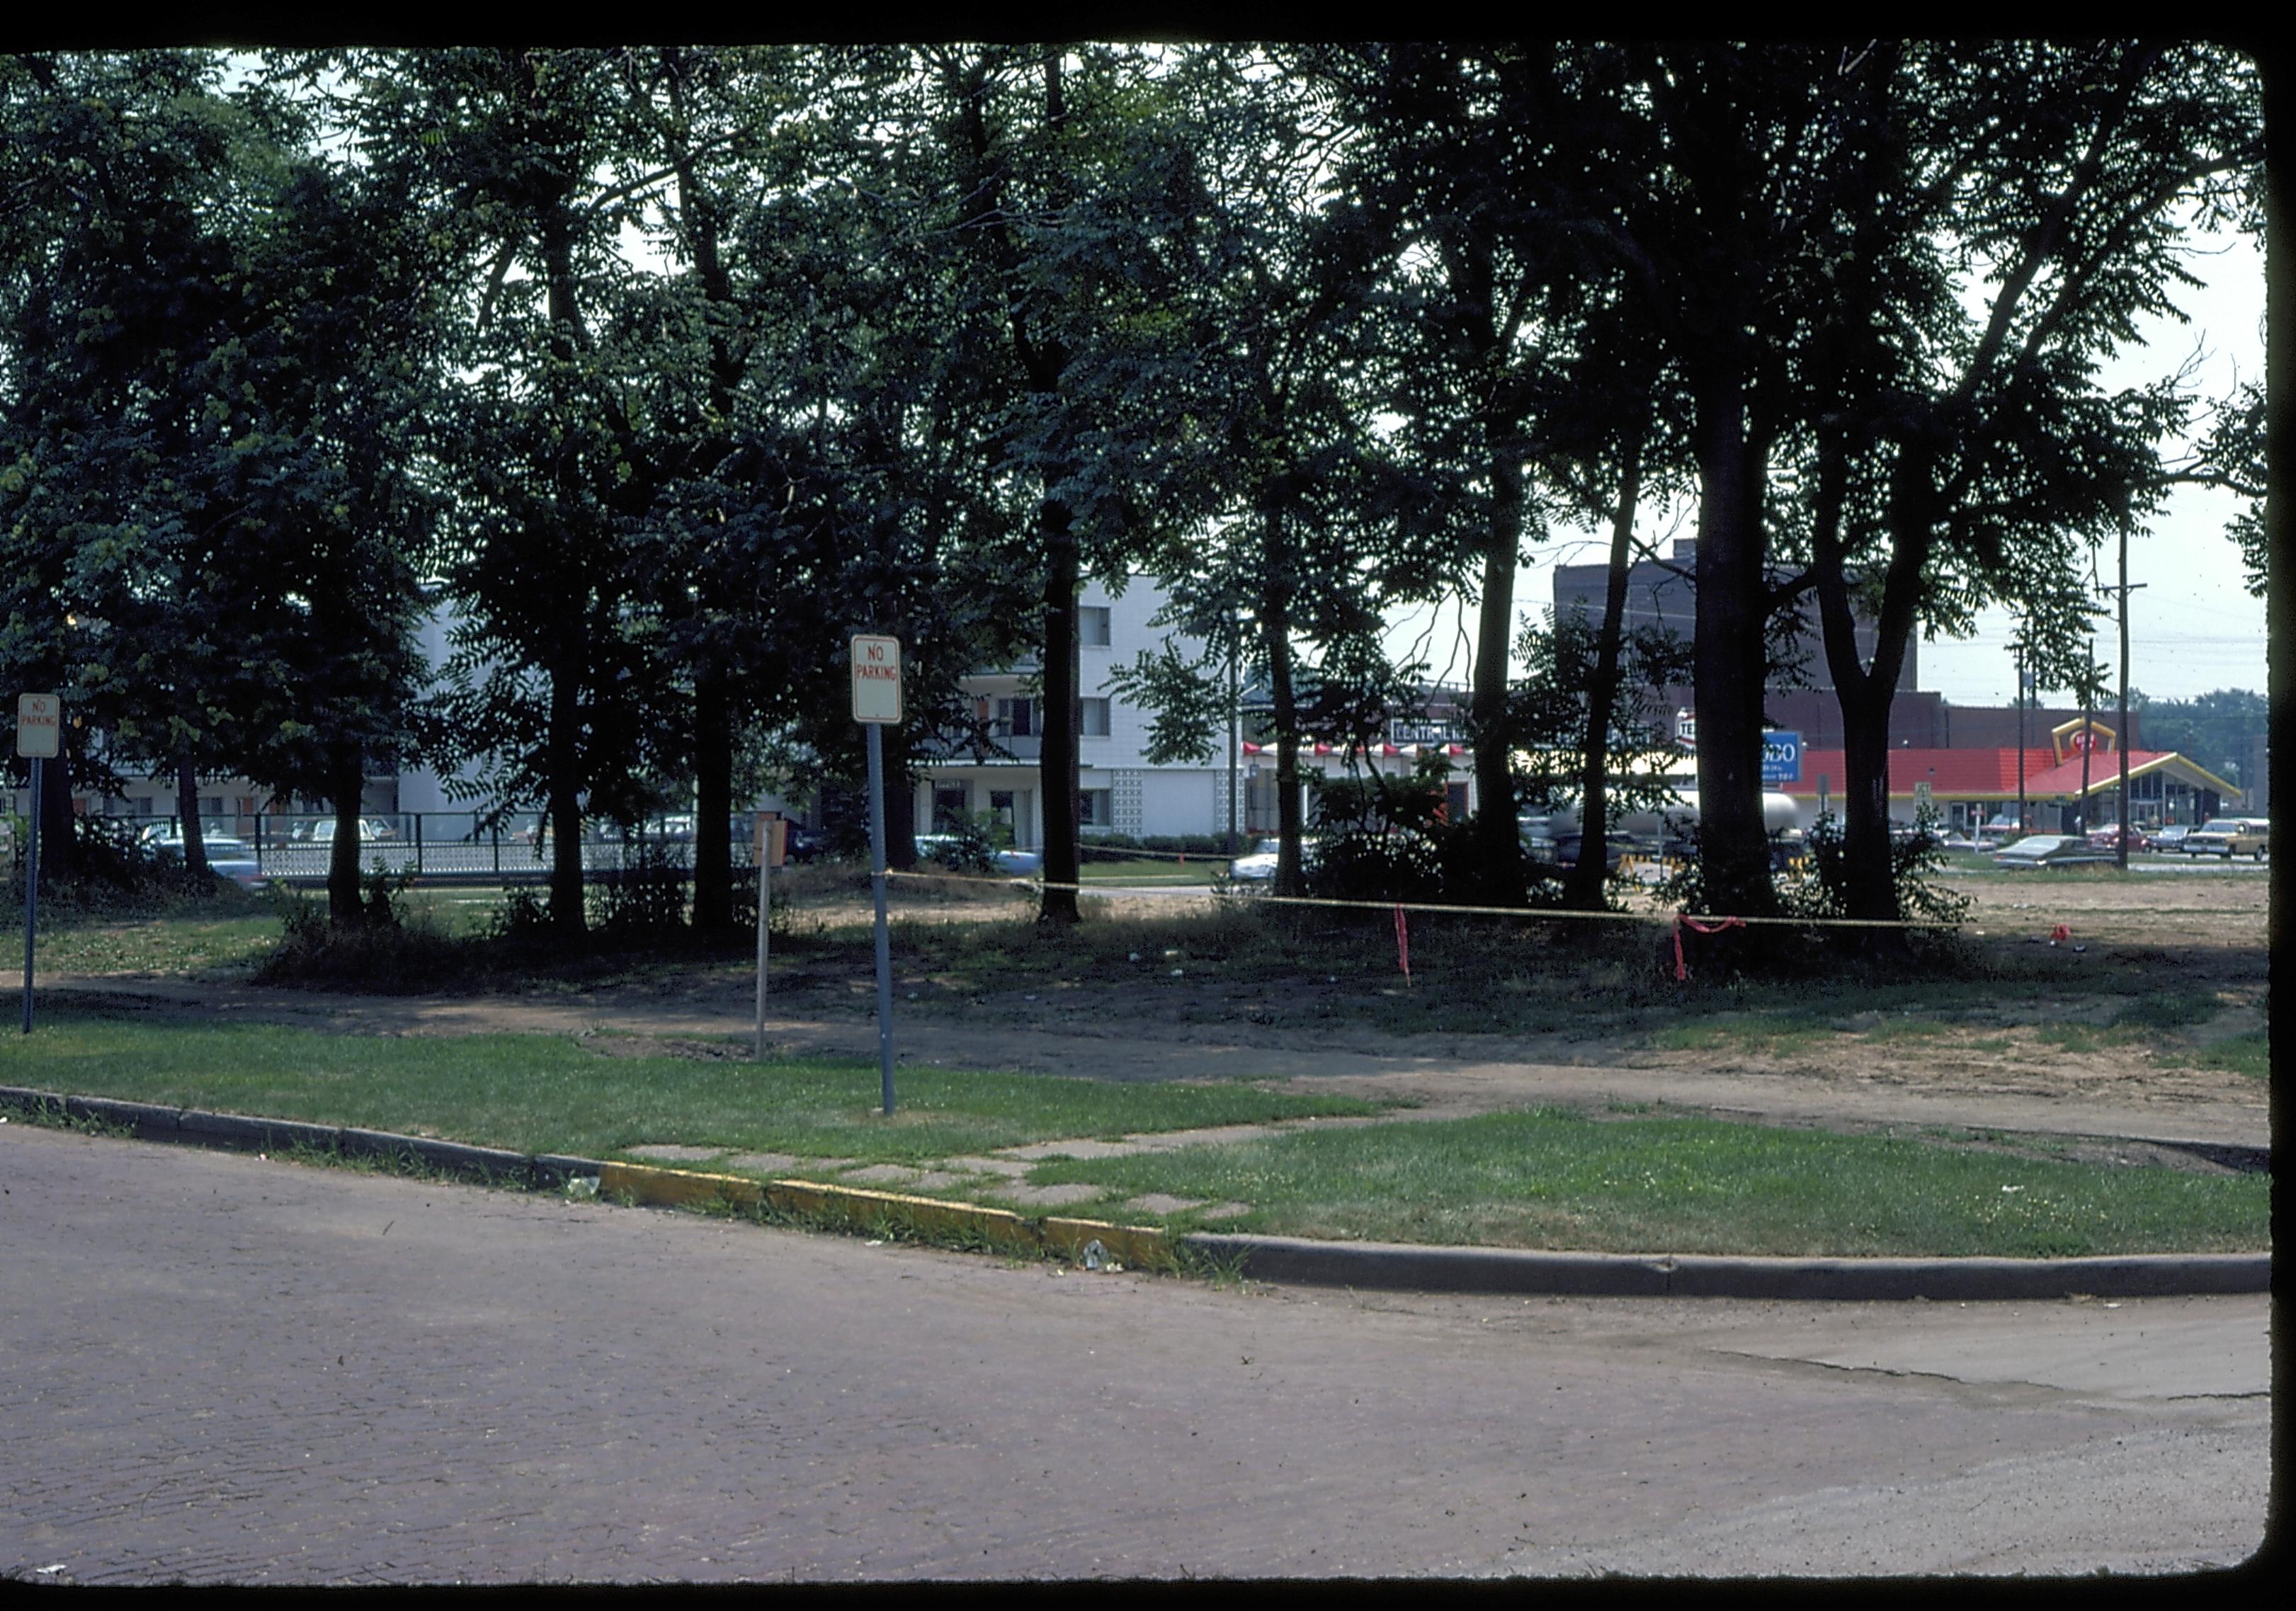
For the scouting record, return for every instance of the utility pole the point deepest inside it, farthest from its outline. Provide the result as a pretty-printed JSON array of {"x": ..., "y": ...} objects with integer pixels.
[
  {"x": 2017, "y": 647},
  {"x": 2122, "y": 743}
]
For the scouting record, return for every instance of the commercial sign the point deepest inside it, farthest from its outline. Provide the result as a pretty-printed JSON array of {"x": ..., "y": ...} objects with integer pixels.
[
  {"x": 39, "y": 725},
  {"x": 876, "y": 679},
  {"x": 1780, "y": 757}
]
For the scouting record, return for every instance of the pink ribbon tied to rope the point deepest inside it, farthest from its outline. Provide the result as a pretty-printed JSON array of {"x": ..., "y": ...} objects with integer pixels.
[
  {"x": 1684, "y": 920},
  {"x": 1403, "y": 942}
]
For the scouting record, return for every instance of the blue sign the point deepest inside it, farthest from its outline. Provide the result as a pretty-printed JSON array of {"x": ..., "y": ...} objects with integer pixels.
[{"x": 1780, "y": 757}]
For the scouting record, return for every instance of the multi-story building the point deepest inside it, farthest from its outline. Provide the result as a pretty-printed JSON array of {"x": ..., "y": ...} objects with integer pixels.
[{"x": 1121, "y": 790}]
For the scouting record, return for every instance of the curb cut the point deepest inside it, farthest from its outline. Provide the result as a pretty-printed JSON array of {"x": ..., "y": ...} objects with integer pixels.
[
  {"x": 1380, "y": 1265},
  {"x": 1399, "y": 1265}
]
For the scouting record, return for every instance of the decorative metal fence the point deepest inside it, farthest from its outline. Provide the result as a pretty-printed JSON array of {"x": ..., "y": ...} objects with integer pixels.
[{"x": 442, "y": 847}]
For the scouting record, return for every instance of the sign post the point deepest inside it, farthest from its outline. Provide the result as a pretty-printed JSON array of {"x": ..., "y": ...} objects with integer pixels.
[
  {"x": 876, "y": 702},
  {"x": 39, "y": 739},
  {"x": 767, "y": 842}
]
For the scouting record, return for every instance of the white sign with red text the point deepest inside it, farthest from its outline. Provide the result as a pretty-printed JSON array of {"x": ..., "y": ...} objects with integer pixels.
[
  {"x": 39, "y": 725},
  {"x": 876, "y": 679}
]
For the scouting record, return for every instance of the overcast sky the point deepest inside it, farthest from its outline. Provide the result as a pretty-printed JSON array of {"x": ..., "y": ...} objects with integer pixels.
[{"x": 2191, "y": 628}]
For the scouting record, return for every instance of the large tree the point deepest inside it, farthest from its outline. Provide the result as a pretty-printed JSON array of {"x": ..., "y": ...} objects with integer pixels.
[{"x": 2007, "y": 214}]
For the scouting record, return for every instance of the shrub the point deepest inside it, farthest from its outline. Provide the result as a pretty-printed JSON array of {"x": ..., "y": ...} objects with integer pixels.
[{"x": 385, "y": 957}]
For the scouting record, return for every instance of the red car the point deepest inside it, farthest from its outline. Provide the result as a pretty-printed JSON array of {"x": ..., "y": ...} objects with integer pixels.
[{"x": 2108, "y": 837}]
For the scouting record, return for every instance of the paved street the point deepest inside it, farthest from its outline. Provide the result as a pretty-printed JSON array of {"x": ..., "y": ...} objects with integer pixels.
[{"x": 222, "y": 1368}]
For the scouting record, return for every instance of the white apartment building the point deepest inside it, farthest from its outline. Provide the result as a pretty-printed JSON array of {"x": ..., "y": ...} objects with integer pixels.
[{"x": 1122, "y": 791}]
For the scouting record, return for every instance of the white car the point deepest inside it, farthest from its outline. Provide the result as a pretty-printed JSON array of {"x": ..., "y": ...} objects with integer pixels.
[{"x": 1258, "y": 867}]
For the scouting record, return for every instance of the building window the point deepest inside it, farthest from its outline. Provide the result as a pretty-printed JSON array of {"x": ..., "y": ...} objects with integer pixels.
[
  {"x": 1092, "y": 626},
  {"x": 1096, "y": 718},
  {"x": 1016, "y": 719},
  {"x": 950, "y": 804},
  {"x": 1098, "y": 809}
]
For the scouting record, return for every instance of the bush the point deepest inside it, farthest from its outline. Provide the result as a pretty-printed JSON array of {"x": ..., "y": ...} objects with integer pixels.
[
  {"x": 645, "y": 897},
  {"x": 115, "y": 875},
  {"x": 385, "y": 957},
  {"x": 1823, "y": 888}
]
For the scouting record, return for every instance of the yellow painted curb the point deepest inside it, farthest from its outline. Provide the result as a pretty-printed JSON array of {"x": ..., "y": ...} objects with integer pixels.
[
  {"x": 646, "y": 1184},
  {"x": 1125, "y": 1244}
]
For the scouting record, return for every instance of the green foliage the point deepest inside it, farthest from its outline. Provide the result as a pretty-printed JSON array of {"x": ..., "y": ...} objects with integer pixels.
[
  {"x": 1823, "y": 889},
  {"x": 1188, "y": 702},
  {"x": 968, "y": 844},
  {"x": 1381, "y": 837}
]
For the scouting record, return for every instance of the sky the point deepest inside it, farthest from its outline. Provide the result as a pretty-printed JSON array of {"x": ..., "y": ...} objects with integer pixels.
[{"x": 2193, "y": 626}]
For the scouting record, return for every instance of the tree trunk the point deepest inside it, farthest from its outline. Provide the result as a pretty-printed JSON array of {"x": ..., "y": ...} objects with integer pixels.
[
  {"x": 1866, "y": 693},
  {"x": 900, "y": 800},
  {"x": 713, "y": 804},
  {"x": 1582, "y": 890},
  {"x": 1866, "y": 852},
  {"x": 1057, "y": 765},
  {"x": 1498, "y": 839},
  {"x": 188, "y": 818},
  {"x": 346, "y": 792},
  {"x": 59, "y": 849},
  {"x": 562, "y": 805},
  {"x": 1290, "y": 872},
  {"x": 1729, "y": 657}
]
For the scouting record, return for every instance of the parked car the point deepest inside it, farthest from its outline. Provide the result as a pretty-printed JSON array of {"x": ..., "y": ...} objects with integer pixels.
[
  {"x": 2170, "y": 836},
  {"x": 2051, "y": 850},
  {"x": 802, "y": 844},
  {"x": 321, "y": 831},
  {"x": 2108, "y": 837},
  {"x": 1257, "y": 869},
  {"x": 2228, "y": 836},
  {"x": 1955, "y": 839},
  {"x": 230, "y": 858},
  {"x": 1012, "y": 863}
]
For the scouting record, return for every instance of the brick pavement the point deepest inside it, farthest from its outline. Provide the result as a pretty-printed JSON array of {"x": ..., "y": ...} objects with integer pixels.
[{"x": 218, "y": 1368}]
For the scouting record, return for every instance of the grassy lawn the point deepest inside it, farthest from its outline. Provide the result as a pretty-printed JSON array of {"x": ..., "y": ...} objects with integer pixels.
[
  {"x": 193, "y": 945},
  {"x": 1680, "y": 1185},
  {"x": 1550, "y": 1178},
  {"x": 1153, "y": 869},
  {"x": 548, "y": 1094}
]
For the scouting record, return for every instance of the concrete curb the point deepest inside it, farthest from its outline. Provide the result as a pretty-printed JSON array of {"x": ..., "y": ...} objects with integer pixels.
[
  {"x": 1395, "y": 1265},
  {"x": 638, "y": 1183},
  {"x": 1384, "y": 1265}
]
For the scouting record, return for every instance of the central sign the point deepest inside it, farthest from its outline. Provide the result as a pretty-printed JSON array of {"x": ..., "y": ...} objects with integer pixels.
[{"x": 876, "y": 679}]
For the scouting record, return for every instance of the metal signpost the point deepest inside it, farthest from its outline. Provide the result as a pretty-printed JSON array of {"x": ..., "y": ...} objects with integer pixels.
[
  {"x": 877, "y": 701},
  {"x": 39, "y": 739},
  {"x": 769, "y": 842}
]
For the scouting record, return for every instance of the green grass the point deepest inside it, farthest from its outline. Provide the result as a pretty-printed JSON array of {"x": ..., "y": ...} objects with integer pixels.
[
  {"x": 2250, "y": 1054},
  {"x": 1552, "y": 1179},
  {"x": 1758, "y": 1032},
  {"x": 1154, "y": 870},
  {"x": 551, "y": 1093},
  {"x": 196, "y": 946}
]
